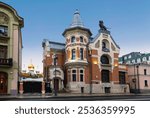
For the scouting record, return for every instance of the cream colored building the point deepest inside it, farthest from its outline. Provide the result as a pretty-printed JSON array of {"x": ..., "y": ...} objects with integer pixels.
[{"x": 10, "y": 49}]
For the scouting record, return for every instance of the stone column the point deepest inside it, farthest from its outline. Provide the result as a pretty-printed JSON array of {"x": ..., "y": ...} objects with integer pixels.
[
  {"x": 51, "y": 84},
  {"x": 43, "y": 87},
  {"x": 21, "y": 87}
]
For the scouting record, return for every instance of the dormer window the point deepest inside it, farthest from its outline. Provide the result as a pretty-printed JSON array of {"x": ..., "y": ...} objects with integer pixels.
[
  {"x": 81, "y": 39},
  {"x": 3, "y": 30},
  {"x": 72, "y": 39}
]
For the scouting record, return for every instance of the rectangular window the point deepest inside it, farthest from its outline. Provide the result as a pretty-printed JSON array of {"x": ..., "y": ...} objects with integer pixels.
[
  {"x": 122, "y": 78},
  {"x": 3, "y": 30},
  {"x": 3, "y": 51},
  {"x": 146, "y": 83},
  {"x": 81, "y": 53},
  {"x": 81, "y": 75},
  {"x": 73, "y": 54},
  {"x": 145, "y": 72},
  {"x": 73, "y": 75}
]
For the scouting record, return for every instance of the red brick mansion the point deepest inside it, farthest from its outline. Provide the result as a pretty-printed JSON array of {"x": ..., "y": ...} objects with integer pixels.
[{"x": 84, "y": 64}]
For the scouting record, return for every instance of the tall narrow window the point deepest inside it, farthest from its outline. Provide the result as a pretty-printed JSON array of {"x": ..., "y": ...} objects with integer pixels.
[
  {"x": 3, "y": 51},
  {"x": 81, "y": 75},
  {"x": 72, "y": 39},
  {"x": 105, "y": 76},
  {"x": 73, "y": 75},
  {"x": 145, "y": 82},
  {"x": 73, "y": 54},
  {"x": 81, "y": 53},
  {"x": 81, "y": 39},
  {"x": 145, "y": 72}
]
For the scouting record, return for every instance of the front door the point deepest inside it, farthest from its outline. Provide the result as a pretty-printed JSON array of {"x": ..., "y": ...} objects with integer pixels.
[
  {"x": 3, "y": 83},
  {"x": 56, "y": 84}
]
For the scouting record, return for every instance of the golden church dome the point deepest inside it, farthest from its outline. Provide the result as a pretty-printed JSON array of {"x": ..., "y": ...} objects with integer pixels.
[{"x": 31, "y": 67}]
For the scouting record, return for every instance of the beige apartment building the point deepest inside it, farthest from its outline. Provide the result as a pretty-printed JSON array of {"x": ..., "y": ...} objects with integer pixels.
[
  {"x": 139, "y": 77},
  {"x": 10, "y": 49}
]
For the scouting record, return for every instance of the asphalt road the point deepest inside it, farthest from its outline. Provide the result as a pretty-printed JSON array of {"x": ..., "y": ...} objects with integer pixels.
[{"x": 81, "y": 98}]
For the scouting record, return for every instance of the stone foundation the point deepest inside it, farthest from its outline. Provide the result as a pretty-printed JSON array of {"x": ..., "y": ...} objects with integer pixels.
[{"x": 81, "y": 87}]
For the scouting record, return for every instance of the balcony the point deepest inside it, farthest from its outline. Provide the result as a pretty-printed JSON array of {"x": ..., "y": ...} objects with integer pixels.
[{"x": 6, "y": 62}]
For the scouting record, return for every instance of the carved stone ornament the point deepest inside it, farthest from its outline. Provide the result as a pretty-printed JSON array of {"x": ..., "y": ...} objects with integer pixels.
[{"x": 3, "y": 19}]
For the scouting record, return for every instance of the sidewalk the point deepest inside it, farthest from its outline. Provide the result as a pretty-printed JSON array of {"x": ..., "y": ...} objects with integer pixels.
[{"x": 47, "y": 95}]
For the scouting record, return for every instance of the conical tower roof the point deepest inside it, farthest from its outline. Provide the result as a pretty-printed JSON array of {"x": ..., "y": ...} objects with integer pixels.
[{"x": 76, "y": 22}]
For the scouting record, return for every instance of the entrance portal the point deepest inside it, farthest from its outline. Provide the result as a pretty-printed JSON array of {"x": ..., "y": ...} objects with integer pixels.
[
  {"x": 3, "y": 82},
  {"x": 56, "y": 84}
]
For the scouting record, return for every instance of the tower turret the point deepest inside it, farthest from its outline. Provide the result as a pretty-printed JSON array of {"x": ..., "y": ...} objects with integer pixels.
[{"x": 77, "y": 38}]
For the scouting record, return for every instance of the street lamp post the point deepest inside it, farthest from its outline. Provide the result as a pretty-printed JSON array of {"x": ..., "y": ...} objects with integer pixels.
[
  {"x": 137, "y": 67},
  {"x": 55, "y": 89},
  {"x": 90, "y": 66},
  {"x": 135, "y": 79}
]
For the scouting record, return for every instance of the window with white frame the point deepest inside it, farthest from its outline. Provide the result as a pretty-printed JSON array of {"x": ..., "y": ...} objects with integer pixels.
[
  {"x": 133, "y": 61},
  {"x": 81, "y": 53},
  {"x": 73, "y": 54},
  {"x": 81, "y": 75},
  {"x": 144, "y": 59},
  {"x": 74, "y": 75},
  {"x": 125, "y": 57},
  {"x": 138, "y": 60},
  {"x": 129, "y": 56}
]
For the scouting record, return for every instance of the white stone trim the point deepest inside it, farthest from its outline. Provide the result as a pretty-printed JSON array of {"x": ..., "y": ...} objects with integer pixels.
[{"x": 52, "y": 76}]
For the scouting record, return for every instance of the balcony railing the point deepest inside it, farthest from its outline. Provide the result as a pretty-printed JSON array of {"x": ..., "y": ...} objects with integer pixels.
[{"x": 6, "y": 62}]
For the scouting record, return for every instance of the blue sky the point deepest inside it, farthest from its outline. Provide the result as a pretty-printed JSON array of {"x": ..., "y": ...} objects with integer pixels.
[{"x": 128, "y": 20}]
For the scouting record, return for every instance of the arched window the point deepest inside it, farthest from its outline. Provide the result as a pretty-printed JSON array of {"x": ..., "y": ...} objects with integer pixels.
[
  {"x": 73, "y": 54},
  {"x": 81, "y": 39},
  {"x": 104, "y": 59},
  {"x": 103, "y": 45},
  {"x": 72, "y": 39}
]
